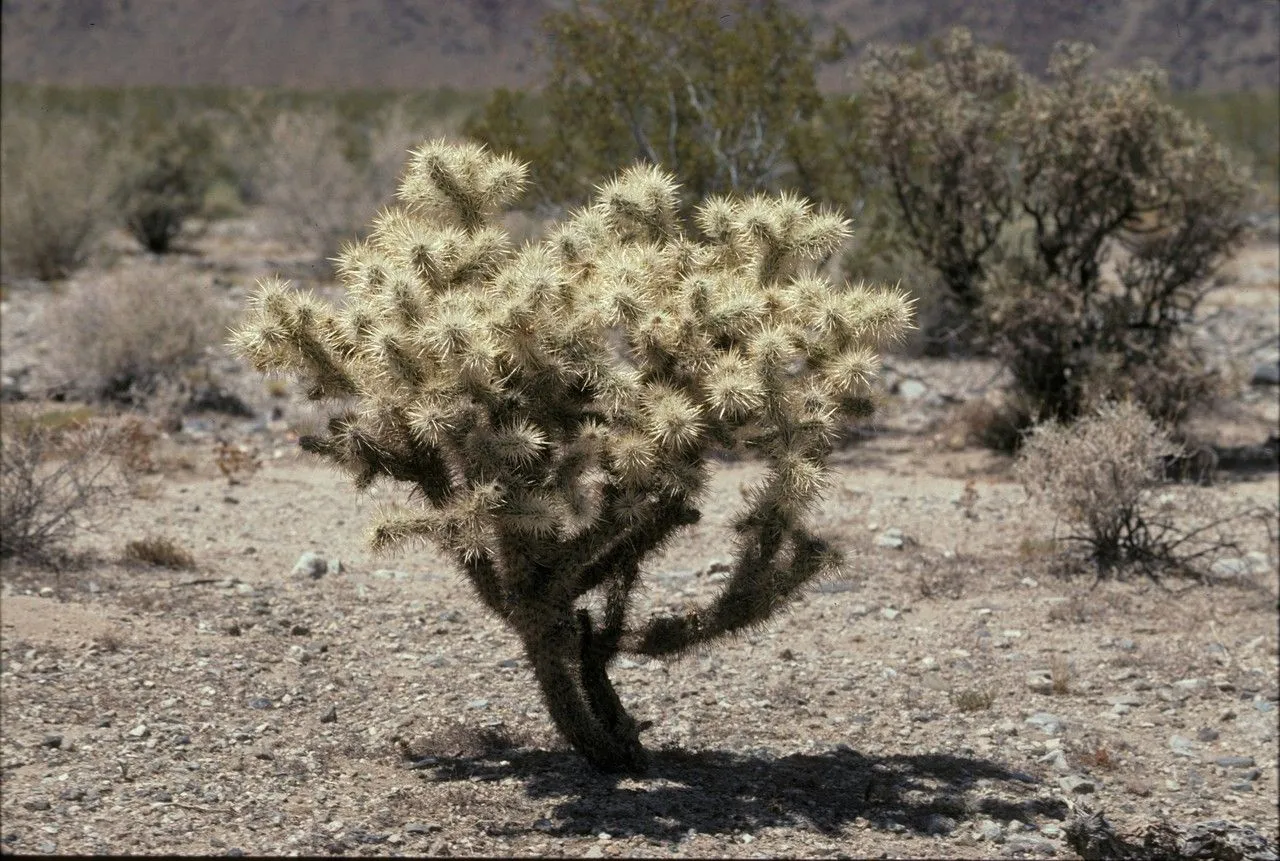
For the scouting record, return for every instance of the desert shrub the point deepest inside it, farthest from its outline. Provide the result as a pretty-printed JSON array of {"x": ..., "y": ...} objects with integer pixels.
[
  {"x": 57, "y": 176},
  {"x": 55, "y": 480},
  {"x": 553, "y": 408},
  {"x": 166, "y": 184},
  {"x": 720, "y": 95},
  {"x": 317, "y": 194},
  {"x": 123, "y": 335},
  {"x": 160, "y": 552},
  {"x": 1104, "y": 479},
  {"x": 1021, "y": 193}
]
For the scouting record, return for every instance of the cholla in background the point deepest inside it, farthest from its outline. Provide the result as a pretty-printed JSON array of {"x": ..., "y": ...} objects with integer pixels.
[{"x": 553, "y": 406}]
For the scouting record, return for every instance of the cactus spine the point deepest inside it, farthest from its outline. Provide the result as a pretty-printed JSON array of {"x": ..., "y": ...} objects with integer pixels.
[{"x": 552, "y": 406}]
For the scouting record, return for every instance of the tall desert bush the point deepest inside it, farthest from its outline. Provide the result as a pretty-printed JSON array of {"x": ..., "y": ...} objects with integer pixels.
[
  {"x": 721, "y": 95},
  {"x": 552, "y": 408},
  {"x": 166, "y": 182},
  {"x": 1022, "y": 194},
  {"x": 57, "y": 178}
]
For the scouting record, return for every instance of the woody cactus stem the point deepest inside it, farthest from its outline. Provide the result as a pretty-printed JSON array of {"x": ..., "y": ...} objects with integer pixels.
[{"x": 551, "y": 406}]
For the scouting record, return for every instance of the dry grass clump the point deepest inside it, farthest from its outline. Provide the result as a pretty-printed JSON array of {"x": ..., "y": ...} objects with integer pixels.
[
  {"x": 57, "y": 178},
  {"x": 54, "y": 482},
  {"x": 124, "y": 335},
  {"x": 159, "y": 552},
  {"x": 1104, "y": 479},
  {"x": 973, "y": 699}
]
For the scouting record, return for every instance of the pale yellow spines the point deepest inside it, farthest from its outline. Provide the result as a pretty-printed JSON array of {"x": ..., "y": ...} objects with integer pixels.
[{"x": 460, "y": 183}]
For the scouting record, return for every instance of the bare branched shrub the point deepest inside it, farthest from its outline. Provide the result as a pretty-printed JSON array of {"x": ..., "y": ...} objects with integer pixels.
[
  {"x": 54, "y": 482},
  {"x": 57, "y": 177},
  {"x": 1103, "y": 478},
  {"x": 125, "y": 334}
]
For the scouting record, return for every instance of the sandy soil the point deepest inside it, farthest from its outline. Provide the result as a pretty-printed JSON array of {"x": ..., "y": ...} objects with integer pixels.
[{"x": 947, "y": 698}]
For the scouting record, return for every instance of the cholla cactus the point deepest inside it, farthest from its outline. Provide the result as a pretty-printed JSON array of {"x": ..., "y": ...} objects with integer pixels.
[{"x": 552, "y": 406}]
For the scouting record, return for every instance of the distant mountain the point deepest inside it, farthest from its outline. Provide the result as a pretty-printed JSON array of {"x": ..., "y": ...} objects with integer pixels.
[{"x": 480, "y": 44}]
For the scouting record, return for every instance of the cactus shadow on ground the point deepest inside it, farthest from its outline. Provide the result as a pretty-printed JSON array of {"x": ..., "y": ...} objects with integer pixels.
[{"x": 718, "y": 792}]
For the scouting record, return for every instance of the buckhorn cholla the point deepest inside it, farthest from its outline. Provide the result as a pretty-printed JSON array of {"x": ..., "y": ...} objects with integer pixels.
[{"x": 553, "y": 406}]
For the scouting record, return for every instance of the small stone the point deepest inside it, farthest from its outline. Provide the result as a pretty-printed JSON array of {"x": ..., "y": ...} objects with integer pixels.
[
  {"x": 1056, "y": 760},
  {"x": 1029, "y": 845},
  {"x": 912, "y": 390},
  {"x": 51, "y": 741},
  {"x": 891, "y": 539},
  {"x": 1049, "y": 723},
  {"x": 330, "y": 716},
  {"x": 1075, "y": 785},
  {"x": 1126, "y": 645},
  {"x": 1040, "y": 682},
  {"x": 48, "y": 848},
  {"x": 140, "y": 731},
  {"x": 300, "y": 631},
  {"x": 936, "y": 823},
  {"x": 1051, "y": 830},
  {"x": 1235, "y": 761},
  {"x": 989, "y": 829},
  {"x": 36, "y": 804},
  {"x": 478, "y": 704},
  {"x": 889, "y": 613},
  {"x": 47, "y": 592},
  {"x": 1124, "y": 700},
  {"x": 1189, "y": 684},
  {"x": 315, "y": 565},
  {"x": 421, "y": 828},
  {"x": 259, "y": 703},
  {"x": 1266, "y": 374},
  {"x": 1182, "y": 746},
  {"x": 1207, "y": 734}
]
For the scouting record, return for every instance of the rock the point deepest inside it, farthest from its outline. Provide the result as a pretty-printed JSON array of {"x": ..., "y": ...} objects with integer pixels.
[
  {"x": 421, "y": 828},
  {"x": 330, "y": 716},
  {"x": 1130, "y": 700},
  {"x": 36, "y": 804},
  {"x": 1207, "y": 734},
  {"x": 912, "y": 389},
  {"x": 139, "y": 731},
  {"x": 299, "y": 630},
  {"x": 989, "y": 829},
  {"x": 1235, "y": 761},
  {"x": 936, "y": 823},
  {"x": 1029, "y": 845},
  {"x": 1040, "y": 681},
  {"x": 478, "y": 704},
  {"x": 891, "y": 539},
  {"x": 1266, "y": 374},
  {"x": 259, "y": 703},
  {"x": 51, "y": 741},
  {"x": 47, "y": 848},
  {"x": 1056, "y": 760},
  {"x": 890, "y": 613},
  {"x": 1182, "y": 746},
  {"x": 1074, "y": 784},
  {"x": 1050, "y": 724},
  {"x": 316, "y": 565}
]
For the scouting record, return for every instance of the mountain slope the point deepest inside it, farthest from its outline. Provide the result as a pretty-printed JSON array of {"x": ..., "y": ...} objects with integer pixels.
[{"x": 479, "y": 44}]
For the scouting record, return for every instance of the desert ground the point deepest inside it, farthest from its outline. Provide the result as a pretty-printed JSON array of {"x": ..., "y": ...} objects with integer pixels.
[{"x": 955, "y": 694}]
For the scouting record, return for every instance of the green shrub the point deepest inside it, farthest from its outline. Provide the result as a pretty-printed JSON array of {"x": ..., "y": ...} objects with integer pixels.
[
  {"x": 167, "y": 184},
  {"x": 1020, "y": 194},
  {"x": 720, "y": 95},
  {"x": 552, "y": 408}
]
